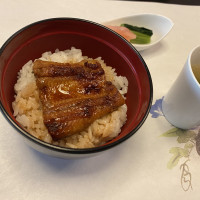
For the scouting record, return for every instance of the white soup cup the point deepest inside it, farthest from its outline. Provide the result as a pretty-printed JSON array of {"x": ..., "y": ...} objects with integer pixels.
[{"x": 181, "y": 105}]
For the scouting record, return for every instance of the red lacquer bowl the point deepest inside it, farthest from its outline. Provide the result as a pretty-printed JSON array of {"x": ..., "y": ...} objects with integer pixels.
[{"x": 94, "y": 40}]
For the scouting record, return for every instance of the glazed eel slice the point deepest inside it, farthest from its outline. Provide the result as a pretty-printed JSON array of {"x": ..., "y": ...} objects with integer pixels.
[{"x": 74, "y": 95}]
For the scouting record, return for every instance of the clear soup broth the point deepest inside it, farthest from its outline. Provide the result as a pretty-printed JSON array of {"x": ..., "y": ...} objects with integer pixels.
[{"x": 196, "y": 71}]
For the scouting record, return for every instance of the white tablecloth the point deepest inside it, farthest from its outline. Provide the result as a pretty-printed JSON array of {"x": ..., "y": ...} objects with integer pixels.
[{"x": 150, "y": 165}]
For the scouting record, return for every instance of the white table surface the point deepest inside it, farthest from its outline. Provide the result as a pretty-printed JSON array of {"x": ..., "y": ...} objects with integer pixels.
[{"x": 136, "y": 169}]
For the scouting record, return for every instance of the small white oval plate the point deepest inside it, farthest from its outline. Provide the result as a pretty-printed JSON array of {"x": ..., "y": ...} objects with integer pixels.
[{"x": 159, "y": 24}]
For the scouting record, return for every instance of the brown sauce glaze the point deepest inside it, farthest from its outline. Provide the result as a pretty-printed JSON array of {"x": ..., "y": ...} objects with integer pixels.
[{"x": 74, "y": 95}]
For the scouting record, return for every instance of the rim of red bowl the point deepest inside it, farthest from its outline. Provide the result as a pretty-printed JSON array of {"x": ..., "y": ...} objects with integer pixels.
[{"x": 73, "y": 150}]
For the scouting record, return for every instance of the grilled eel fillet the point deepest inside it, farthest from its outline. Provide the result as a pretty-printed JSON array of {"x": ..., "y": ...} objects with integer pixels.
[{"x": 74, "y": 95}]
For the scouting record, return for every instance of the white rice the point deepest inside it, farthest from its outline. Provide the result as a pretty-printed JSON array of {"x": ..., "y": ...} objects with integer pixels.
[{"x": 28, "y": 112}]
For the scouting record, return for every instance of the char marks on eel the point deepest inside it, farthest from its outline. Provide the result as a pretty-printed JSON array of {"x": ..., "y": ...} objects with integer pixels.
[{"x": 74, "y": 95}]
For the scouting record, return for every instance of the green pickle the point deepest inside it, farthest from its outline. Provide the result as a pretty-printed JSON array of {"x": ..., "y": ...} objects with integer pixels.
[{"x": 143, "y": 35}]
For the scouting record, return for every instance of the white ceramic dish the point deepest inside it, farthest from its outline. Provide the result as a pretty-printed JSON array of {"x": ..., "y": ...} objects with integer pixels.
[{"x": 160, "y": 25}]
